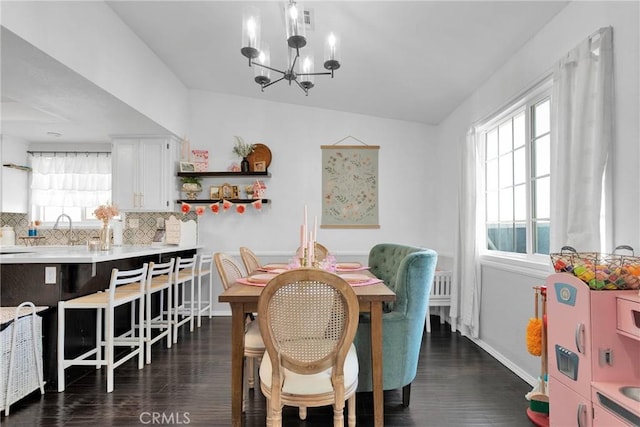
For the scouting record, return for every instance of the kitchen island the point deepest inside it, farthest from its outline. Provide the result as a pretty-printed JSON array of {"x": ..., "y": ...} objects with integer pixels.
[{"x": 45, "y": 275}]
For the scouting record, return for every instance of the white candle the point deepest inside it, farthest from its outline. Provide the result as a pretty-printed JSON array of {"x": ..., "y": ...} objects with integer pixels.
[
  {"x": 304, "y": 235},
  {"x": 310, "y": 254},
  {"x": 315, "y": 229}
]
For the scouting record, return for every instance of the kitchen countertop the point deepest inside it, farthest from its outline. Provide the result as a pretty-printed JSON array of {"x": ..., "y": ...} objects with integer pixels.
[{"x": 81, "y": 254}]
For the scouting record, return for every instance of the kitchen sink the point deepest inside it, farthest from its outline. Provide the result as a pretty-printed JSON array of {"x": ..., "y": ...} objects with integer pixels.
[{"x": 631, "y": 392}]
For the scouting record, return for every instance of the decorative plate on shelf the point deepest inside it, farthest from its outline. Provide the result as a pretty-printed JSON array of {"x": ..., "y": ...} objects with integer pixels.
[{"x": 261, "y": 153}]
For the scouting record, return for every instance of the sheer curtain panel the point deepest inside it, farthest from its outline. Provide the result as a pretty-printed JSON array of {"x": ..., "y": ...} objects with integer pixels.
[
  {"x": 465, "y": 298},
  {"x": 582, "y": 112},
  {"x": 70, "y": 179}
]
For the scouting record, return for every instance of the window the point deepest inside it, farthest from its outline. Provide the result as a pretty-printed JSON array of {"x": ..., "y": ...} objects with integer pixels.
[
  {"x": 69, "y": 183},
  {"x": 516, "y": 155}
]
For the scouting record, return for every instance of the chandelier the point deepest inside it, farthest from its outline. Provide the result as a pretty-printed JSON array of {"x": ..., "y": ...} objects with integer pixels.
[{"x": 298, "y": 70}]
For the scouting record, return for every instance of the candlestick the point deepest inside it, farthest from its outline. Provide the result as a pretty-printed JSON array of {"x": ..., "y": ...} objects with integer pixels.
[
  {"x": 315, "y": 229},
  {"x": 304, "y": 235},
  {"x": 311, "y": 251},
  {"x": 305, "y": 216}
]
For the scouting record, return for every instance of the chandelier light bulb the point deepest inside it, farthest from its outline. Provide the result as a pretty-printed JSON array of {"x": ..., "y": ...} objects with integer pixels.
[
  {"x": 306, "y": 72},
  {"x": 295, "y": 25},
  {"x": 263, "y": 74},
  {"x": 332, "y": 46},
  {"x": 293, "y": 13},
  {"x": 331, "y": 53},
  {"x": 250, "y": 32},
  {"x": 307, "y": 65}
]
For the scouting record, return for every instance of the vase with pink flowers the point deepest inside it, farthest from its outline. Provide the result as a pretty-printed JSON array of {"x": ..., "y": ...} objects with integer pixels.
[{"x": 105, "y": 213}]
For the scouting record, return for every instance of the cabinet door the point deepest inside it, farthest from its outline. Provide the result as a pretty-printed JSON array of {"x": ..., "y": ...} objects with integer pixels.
[
  {"x": 153, "y": 175},
  {"x": 604, "y": 418},
  {"x": 568, "y": 408},
  {"x": 569, "y": 332},
  {"x": 141, "y": 174},
  {"x": 125, "y": 171}
]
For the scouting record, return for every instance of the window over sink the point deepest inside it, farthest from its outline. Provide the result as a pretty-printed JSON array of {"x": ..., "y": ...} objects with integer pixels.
[{"x": 71, "y": 183}]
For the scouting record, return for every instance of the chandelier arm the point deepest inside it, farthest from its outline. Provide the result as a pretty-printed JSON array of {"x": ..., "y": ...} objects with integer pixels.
[
  {"x": 295, "y": 59},
  {"x": 314, "y": 74},
  {"x": 268, "y": 68},
  {"x": 302, "y": 87},
  {"x": 273, "y": 82}
]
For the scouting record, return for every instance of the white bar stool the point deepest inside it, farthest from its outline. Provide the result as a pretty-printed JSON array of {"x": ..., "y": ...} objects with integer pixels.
[
  {"x": 203, "y": 269},
  {"x": 183, "y": 278},
  {"x": 107, "y": 301},
  {"x": 159, "y": 281}
]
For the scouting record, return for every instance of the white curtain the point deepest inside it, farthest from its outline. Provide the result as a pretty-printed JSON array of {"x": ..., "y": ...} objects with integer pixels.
[
  {"x": 582, "y": 132},
  {"x": 70, "y": 179},
  {"x": 466, "y": 292}
]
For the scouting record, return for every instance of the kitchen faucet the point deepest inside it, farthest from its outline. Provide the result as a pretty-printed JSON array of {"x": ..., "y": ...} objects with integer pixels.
[{"x": 70, "y": 240}]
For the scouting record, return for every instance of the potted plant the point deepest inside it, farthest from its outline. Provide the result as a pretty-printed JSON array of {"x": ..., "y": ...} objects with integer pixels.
[
  {"x": 191, "y": 186},
  {"x": 242, "y": 149}
]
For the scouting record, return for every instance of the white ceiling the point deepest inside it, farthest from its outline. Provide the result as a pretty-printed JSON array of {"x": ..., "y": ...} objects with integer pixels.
[
  {"x": 42, "y": 98},
  {"x": 407, "y": 60}
]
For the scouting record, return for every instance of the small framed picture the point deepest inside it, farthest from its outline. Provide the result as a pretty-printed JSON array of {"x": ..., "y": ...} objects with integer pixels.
[
  {"x": 259, "y": 166},
  {"x": 214, "y": 192},
  {"x": 187, "y": 167},
  {"x": 228, "y": 191}
]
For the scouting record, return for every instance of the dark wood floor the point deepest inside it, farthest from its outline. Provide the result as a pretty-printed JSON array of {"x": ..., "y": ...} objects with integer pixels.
[{"x": 458, "y": 384}]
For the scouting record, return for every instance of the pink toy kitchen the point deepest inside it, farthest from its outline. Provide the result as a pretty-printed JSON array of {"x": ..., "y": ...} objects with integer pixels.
[{"x": 594, "y": 341}]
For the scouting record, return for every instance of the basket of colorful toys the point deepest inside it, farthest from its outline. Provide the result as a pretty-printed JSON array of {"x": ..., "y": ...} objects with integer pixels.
[{"x": 601, "y": 271}]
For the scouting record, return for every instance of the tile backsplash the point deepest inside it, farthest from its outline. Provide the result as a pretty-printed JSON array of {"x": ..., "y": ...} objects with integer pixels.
[{"x": 142, "y": 235}]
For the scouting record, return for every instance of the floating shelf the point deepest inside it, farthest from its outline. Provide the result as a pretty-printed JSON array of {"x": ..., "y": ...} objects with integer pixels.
[
  {"x": 220, "y": 174},
  {"x": 19, "y": 167},
  {"x": 209, "y": 201}
]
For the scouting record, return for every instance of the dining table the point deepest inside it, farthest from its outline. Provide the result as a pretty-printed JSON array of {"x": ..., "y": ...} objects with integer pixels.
[{"x": 243, "y": 299}]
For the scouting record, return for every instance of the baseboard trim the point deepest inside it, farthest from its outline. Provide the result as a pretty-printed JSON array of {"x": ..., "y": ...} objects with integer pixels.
[{"x": 505, "y": 361}]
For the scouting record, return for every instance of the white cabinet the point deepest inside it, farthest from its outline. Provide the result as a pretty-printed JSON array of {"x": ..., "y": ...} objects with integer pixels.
[{"x": 143, "y": 170}]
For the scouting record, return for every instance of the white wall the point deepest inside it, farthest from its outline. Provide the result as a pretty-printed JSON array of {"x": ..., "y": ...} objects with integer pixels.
[
  {"x": 507, "y": 298},
  {"x": 13, "y": 150},
  {"x": 89, "y": 38},
  {"x": 294, "y": 135}
]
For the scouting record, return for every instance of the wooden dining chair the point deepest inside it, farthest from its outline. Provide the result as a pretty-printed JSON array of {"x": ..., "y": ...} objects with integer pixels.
[
  {"x": 229, "y": 271},
  {"x": 321, "y": 251},
  {"x": 308, "y": 319},
  {"x": 249, "y": 259}
]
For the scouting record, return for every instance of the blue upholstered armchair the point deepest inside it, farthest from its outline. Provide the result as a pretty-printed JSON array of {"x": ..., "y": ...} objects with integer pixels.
[{"x": 408, "y": 271}]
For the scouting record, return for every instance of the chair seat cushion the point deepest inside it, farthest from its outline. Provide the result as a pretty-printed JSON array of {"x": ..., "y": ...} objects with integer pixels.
[
  {"x": 101, "y": 299},
  {"x": 312, "y": 384},
  {"x": 253, "y": 338}
]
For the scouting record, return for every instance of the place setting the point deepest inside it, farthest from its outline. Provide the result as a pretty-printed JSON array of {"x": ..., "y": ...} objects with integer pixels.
[{"x": 307, "y": 255}]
